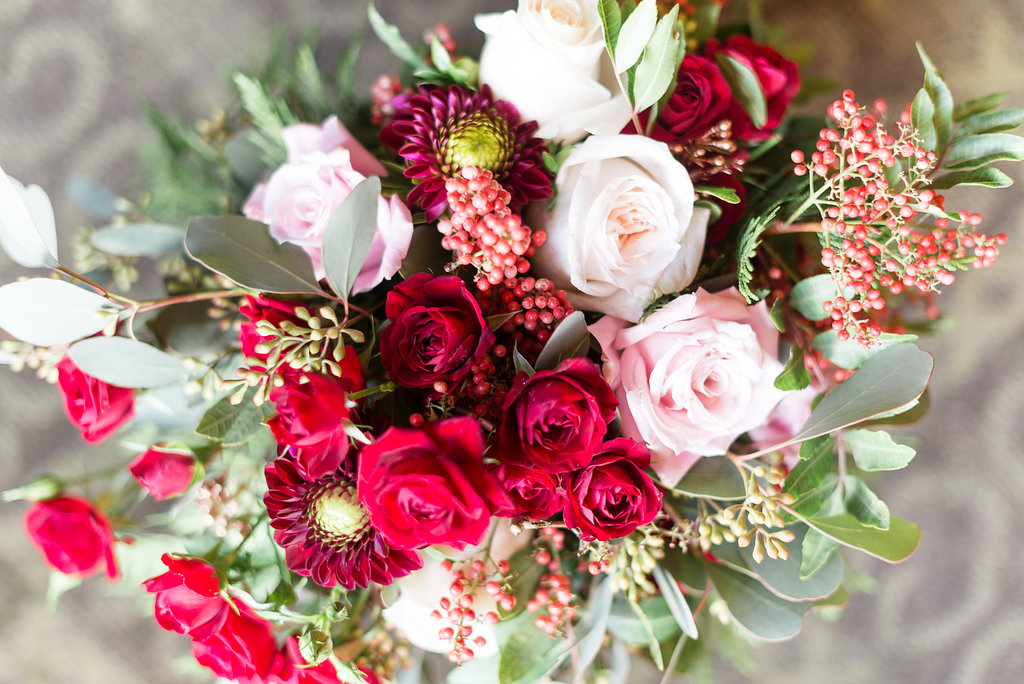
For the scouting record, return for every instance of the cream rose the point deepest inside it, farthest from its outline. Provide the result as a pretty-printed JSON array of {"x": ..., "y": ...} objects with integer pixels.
[
  {"x": 548, "y": 59},
  {"x": 692, "y": 377},
  {"x": 623, "y": 230}
]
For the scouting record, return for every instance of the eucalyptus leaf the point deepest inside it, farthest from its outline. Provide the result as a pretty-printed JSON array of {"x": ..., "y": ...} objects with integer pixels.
[
  {"x": 349, "y": 235},
  {"x": 656, "y": 71},
  {"x": 745, "y": 88},
  {"x": 675, "y": 600},
  {"x": 634, "y": 34},
  {"x": 815, "y": 551},
  {"x": 864, "y": 505},
  {"x": 713, "y": 477},
  {"x": 244, "y": 154},
  {"x": 657, "y": 622},
  {"x": 527, "y": 654},
  {"x": 127, "y": 362},
  {"x": 795, "y": 375},
  {"x": 234, "y": 424},
  {"x": 877, "y": 450},
  {"x": 244, "y": 251},
  {"x": 598, "y": 609},
  {"x": 99, "y": 200},
  {"x": 28, "y": 233},
  {"x": 426, "y": 255},
  {"x": 982, "y": 149},
  {"x": 986, "y": 176},
  {"x": 139, "y": 239},
  {"x": 568, "y": 339},
  {"x": 810, "y": 294},
  {"x": 850, "y": 354},
  {"x": 892, "y": 378},
  {"x": 754, "y": 608},
  {"x": 892, "y": 545},
  {"x": 782, "y": 576},
  {"x": 47, "y": 312}
]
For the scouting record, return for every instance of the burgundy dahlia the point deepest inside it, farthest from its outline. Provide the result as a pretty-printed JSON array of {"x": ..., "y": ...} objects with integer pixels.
[
  {"x": 438, "y": 131},
  {"x": 326, "y": 532}
]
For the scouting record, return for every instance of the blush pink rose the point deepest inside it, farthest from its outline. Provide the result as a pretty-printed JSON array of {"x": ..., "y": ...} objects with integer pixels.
[
  {"x": 298, "y": 200},
  {"x": 162, "y": 472},
  {"x": 692, "y": 377}
]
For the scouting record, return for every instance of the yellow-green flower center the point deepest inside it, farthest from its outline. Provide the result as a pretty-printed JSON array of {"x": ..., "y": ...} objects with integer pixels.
[
  {"x": 478, "y": 141},
  {"x": 337, "y": 512}
]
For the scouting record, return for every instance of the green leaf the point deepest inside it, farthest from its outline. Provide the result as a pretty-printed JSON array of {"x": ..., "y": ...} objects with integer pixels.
[
  {"x": 812, "y": 500},
  {"x": 982, "y": 149},
  {"x": 942, "y": 100},
  {"x": 746, "y": 252},
  {"x": 815, "y": 552},
  {"x": 244, "y": 252},
  {"x": 656, "y": 625},
  {"x": 595, "y": 623},
  {"x": 234, "y": 424},
  {"x": 783, "y": 578},
  {"x": 58, "y": 585},
  {"x": 390, "y": 36},
  {"x": 426, "y": 255},
  {"x": 315, "y": 644},
  {"x": 993, "y": 122},
  {"x": 47, "y": 312},
  {"x": 676, "y": 601},
  {"x": 126, "y": 362},
  {"x": 307, "y": 75},
  {"x": 810, "y": 294},
  {"x": 656, "y": 71},
  {"x": 985, "y": 176},
  {"x": 567, "y": 340},
  {"x": 978, "y": 105},
  {"x": 794, "y": 376},
  {"x": 611, "y": 23},
  {"x": 892, "y": 378},
  {"x": 850, "y": 354},
  {"x": 745, "y": 88},
  {"x": 349, "y": 234},
  {"x": 520, "y": 362},
  {"x": 138, "y": 239},
  {"x": 892, "y": 545},
  {"x": 876, "y": 450},
  {"x": 269, "y": 115},
  {"x": 636, "y": 31},
  {"x": 817, "y": 456},
  {"x": 757, "y": 610},
  {"x": 527, "y": 653},
  {"x": 727, "y": 195},
  {"x": 713, "y": 477},
  {"x": 922, "y": 118},
  {"x": 864, "y": 505},
  {"x": 685, "y": 568},
  {"x": 839, "y": 598}
]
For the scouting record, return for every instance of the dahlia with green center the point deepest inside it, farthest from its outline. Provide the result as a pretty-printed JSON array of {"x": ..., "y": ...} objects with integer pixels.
[
  {"x": 326, "y": 532},
  {"x": 438, "y": 131}
]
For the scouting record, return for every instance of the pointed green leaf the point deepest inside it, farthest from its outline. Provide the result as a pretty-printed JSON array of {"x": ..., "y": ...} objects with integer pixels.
[
  {"x": 650, "y": 621},
  {"x": 794, "y": 376},
  {"x": 307, "y": 75},
  {"x": 941, "y": 98},
  {"x": 390, "y": 36},
  {"x": 757, "y": 610},
  {"x": 596, "y": 623},
  {"x": 571, "y": 338},
  {"x": 848, "y": 353},
  {"x": 815, "y": 551},
  {"x": 349, "y": 234},
  {"x": 892, "y": 545},
  {"x": 676, "y": 601},
  {"x": 656, "y": 71},
  {"x": 244, "y": 252},
  {"x": 126, "y": 362},
  {"x": 811, "y": 501},
  {"x": 745, "y": 88},
  {"x": 636, "y": 30},
  {"x": 864, "y": 505},
  {"x": 611, "y": 23},
  {"x": 47, "y": 312},
  {"x": 810, "y": 294},
  {"x": 922, "y": 118},
  {"x": 783, "y": 578},
  {"x": 713, "y": 477},
  {"x": 978, "y": 105},
  {"x": 986, "y": 176},
  {"x": 817, "y": 456},
  {"x": 727, "y": 195},
  {"x": 234, "y": 424},
  {"x": 982, "y": 149},
  {"x": 993, "y": 122},
  {"x": 876, "y": 450}
]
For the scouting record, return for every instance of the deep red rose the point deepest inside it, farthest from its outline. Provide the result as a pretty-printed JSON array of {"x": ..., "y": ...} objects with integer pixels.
[
  {"x": 429, "y": 486},
  {"x": 263, "y": 308},
  {"x": 188, "y": 599},
  {"x": 73, "y": 536},
  {"x": 163, "y": 473},
  {"x": 731, "y": 213},
  {"x": 437, "y": 331},
  {"x": 613, "y": 495},
  {"x": 535, "y": 493},
  {"x": 778, "y": 77},
  {"x": 93, "y": 406},
  {"x": 555, "y": 419},
  {"x": 242, "y": 649},
  {"x": 311, "y": 416}
]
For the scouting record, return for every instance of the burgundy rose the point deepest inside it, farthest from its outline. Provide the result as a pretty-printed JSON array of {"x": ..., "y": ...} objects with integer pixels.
[
  {"x": 93, "y": 406},
  {"x": 311, "y": 416},
  {"x": 188, "y": 599},
  {"x": 73, "y": 536},
  {"x": 535, "y": 493},
  {"x": 731, "y": 213},
  {"x": 263, "y": 308},
  {"x": 242, "y": 649},
  {"x": 437, "y": 331},
  {"x": 429, "y": 486},
  {"x": 163, "y": 473},
  {"x": 613, "y": 495},
  {"x": 777, "y": 76},
  {"x": 555, "y": 419}
]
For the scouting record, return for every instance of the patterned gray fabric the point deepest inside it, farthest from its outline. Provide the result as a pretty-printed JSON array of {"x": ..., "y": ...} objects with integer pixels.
[{"x": 72, "y": 76}]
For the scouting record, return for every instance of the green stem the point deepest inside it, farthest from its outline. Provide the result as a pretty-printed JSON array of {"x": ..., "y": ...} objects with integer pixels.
[{"x": 185, "y": 299}]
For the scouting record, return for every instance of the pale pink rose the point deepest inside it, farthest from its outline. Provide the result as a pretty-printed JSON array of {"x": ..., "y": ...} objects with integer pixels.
[
  {"x": 623, "y": 230},
  {"x": 692, "y": 377},
  {"x": 301, "y": 196},
  {"x": 783, "y": 422}
]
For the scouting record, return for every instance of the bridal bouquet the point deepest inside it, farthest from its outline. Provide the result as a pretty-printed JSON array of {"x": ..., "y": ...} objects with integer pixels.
[{"x": 585, "y": 347}]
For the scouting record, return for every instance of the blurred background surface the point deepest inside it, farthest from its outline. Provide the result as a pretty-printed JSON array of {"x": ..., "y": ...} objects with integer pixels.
[{"x": 73, "y": 75}]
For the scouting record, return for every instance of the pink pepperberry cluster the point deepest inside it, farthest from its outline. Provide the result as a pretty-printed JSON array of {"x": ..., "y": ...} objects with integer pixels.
[
  {"x": 383, "y": 91},
  {"x": 459, "y": 609},
  {"x": 553, "y": 601},
  {"x": 871, "y": 244}
]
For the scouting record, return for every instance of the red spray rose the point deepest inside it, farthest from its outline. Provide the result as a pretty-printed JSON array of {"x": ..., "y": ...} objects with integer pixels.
[
  {"x": 93, "y": 406},
  {"x": 535, "y": 493},
  {"x": 437, "y": 331},
  {"x": 188, "y": 599},
  {"x": 613, "y": 495},
  {"x": 163, "y": 473},
  {"x": 429, "y": 486},
  {"x": 777, "y": 76},
  {"x": 555, "y": 419},
  {"x": 73, "y": 536},
  {"x": 242, "y": 649}
]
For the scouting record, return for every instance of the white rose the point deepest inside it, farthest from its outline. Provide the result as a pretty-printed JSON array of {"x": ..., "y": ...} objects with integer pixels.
[
  {"x": 623, "y": 230},
  {"x": 548, "y": 59}
]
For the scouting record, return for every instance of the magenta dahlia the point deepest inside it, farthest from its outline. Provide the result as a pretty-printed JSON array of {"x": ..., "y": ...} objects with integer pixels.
[
  {"x": 438, "y": 131},
  {"x": 326, "y": 532}
]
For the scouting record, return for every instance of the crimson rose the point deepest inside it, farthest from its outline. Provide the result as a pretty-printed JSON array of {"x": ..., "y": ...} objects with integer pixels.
[
  {"x": 555, "y": 419},
  {"x": 613, "y": 495},
  {"x": 93, "y": 406},
  {"x": 429, "y": 486},
  {"x": 73, "y": 536},
  {"x": 777, "y": 76},
  {"x": 535, "y": 493},
  {"x": 437, "y": 331},
  {"x": 163, "y": 473},
  {"x": 188, "y": 599},
  {"x": 242, "y": 649}
]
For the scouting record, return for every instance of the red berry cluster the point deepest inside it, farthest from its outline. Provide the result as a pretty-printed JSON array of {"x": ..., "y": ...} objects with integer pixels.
[
  {"x": 870, "y": 242},
  {"x": 383, "y": 91},
  {"x": 459, "y": 611},
  {"x": 553, "y": 601}
]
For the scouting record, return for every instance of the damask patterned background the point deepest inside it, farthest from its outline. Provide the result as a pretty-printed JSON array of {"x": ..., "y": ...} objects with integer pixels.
[{"x": 72, "y": 76}]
